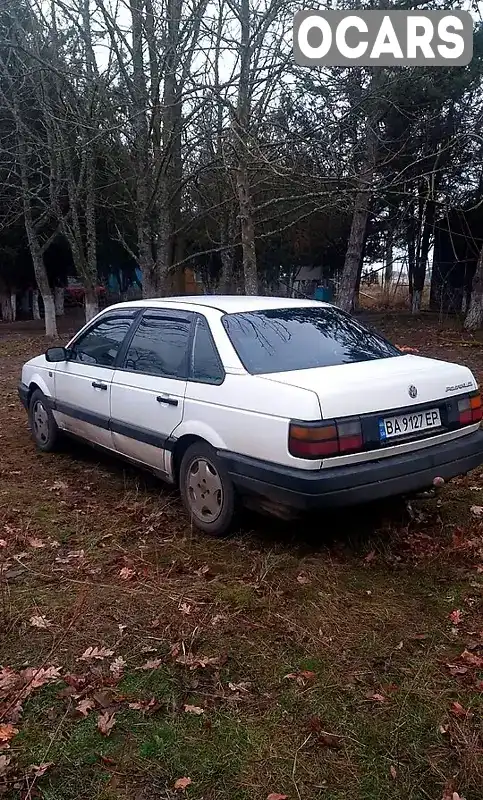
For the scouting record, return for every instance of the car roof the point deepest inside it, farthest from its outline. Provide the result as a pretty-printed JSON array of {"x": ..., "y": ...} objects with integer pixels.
[{"x": 228, "y": 304}]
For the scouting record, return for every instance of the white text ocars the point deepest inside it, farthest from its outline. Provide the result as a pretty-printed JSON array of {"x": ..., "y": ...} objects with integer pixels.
[{"x": 288, "y": 404}]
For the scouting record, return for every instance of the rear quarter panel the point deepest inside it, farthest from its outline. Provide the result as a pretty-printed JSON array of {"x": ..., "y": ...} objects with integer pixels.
[{"x": 249, "y": 416}]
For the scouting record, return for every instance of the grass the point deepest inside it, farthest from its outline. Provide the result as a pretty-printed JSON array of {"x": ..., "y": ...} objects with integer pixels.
[{"x": 318, "y": 652}]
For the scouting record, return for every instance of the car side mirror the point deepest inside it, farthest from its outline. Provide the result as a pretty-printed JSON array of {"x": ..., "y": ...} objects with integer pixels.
[{"x": 56, "y": 354}]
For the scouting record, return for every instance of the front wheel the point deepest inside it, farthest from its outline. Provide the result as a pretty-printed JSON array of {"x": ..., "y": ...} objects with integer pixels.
[
  {"x": 45, "y": 432},
  {"x": 206, "y": 490}
]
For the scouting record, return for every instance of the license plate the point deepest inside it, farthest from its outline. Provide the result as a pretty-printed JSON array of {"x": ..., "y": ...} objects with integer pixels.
[{"x": 405, "y": 424}]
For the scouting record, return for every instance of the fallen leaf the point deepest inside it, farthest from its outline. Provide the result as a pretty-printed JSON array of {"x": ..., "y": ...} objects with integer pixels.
[
  {"x": 477, "y": 511},
  {"x": 303, "y": 579},
  {"x": 143, "y": 705},
  {"x": 182, "y": 783},
  {"x": 193, "y": 662},
  {"x": 405, "y": 349},
  {"x": 471, "y": 659},
  {"x": 455, "y": 616},
  {"x": 458, "y": 710},
  {"x": 152, "y": 664},
  {"x": 38, "y": 621},
  {"x": 95, "y": 652},
  {"x": 378, "y": 698},
  {"x": 456, "y": 669},
  {"x": 126, "y": 574},
  {"x": 85, "y": 706},
  {"x": 393, "y": 772},
  {"x": 35, "y": 678},
  {"x": 105, "y": 723},
  {"x": 301, "y": 677},
  {"x": 244, "y": 686},
  {"x": 3, "y": 543},
  {"x": 185, "y": 608},
  {"x": 277, "y": 796},
  {"x": 370, "y": 557},
  {"x": 41, "y": 769},
  {"x": 117, "y": 667},
  {"x": 7, "y": 732},
  {"x": 37, "y": 543},
  {"x": 194, "y": 710},
  {"x": 444, "y": 729}
]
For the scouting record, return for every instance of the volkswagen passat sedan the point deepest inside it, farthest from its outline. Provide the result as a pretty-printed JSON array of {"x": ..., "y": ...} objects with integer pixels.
[{"x": 291, "y": 404}]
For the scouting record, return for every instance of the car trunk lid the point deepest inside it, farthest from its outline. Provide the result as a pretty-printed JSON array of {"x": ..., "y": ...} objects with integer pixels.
[{"x": 380, "y": 385}]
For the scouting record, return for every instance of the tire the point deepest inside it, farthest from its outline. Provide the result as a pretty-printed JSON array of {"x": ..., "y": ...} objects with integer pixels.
[
  {"x": 43, "y": 426},
  {"x": 206, "y": 490}
]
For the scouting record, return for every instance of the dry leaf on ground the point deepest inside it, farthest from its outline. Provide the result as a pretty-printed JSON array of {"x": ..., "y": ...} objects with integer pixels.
[
  {"x": 182, "y": 783},
  {"x": 85, "y": 706},
  {"x": 458, "y": 710},
  {"x": 455, "y": 616},
  {"x": 117, "y": 667},
  {"x": 301, "y": 677},
  {"x": 154, "y": 663},
  {"x": 37, "y": 771},
  {"x": 105, "y": 723},
  {"x": 194, "y": 710},
  {"x": 7, "y": 732},
  {"x": 471, "y": 659},
  {"x": 38, "y": 621},
  {"x": 126, "y": 574},
  {"x": 277, "y": 796},
  {"x": 95, "y": 652},
  {"x": 37, "y": 543},
  {"x": 393, "y": 772}
]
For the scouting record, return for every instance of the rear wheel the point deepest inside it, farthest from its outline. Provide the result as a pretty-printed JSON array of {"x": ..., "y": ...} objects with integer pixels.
[
  {"x": 45, "y": 432},
  {"x": 207, "y": 490}
]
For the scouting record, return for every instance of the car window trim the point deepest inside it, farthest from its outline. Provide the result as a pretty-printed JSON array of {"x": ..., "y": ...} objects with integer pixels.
[
  {"x": 107, "y": 316},
  {"x": 191, "y": 378},
  {"x": 161, "y": 313}
]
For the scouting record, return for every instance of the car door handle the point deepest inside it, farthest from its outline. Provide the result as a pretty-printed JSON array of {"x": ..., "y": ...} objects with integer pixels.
[
  {"x": 98, "y": 385},
  {"x": 170, "y": 401}
]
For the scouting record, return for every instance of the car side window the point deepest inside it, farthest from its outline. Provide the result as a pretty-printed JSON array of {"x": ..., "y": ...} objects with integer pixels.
[
  {"x": 160, "y": 345},
  {"x": 100, "y": 345},
  {"x": 206, "y": 366}
]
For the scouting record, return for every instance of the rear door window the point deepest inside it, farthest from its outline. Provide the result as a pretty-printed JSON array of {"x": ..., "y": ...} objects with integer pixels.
[
  {"x": 160, "y": 345},
  {"x": 281, "y": 340}
]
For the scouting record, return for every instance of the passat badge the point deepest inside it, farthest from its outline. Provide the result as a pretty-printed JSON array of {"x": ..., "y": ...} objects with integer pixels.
[{"x": 413, "y": 392}]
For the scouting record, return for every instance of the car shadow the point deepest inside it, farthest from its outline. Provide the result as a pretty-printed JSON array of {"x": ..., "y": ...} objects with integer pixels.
[{"x": 352, "y": 528}]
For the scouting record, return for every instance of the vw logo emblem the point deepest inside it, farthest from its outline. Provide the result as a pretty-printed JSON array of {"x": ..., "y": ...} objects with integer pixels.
[{"x": 413, "y": 392}]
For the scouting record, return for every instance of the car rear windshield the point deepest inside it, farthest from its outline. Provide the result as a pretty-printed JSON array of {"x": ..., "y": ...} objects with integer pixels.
[{"x": 281, "y": 340}]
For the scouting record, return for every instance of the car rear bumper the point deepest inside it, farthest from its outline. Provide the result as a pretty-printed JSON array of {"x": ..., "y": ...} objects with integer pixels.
[
  {"x": 23, "y": 393},
  {"x": 358, "y": 483}
]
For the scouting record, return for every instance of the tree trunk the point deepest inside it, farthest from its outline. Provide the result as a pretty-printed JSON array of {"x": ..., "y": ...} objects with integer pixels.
[
  {"x": 59, "y": 301},
  {"x": 35, "y": 304},
  {"x": 13, "y": 303},
  {"x": 360, "y": 217},
  {"x": 49, "y": 311},
  {"x": 91, "y": 303},
  {"x": 474, "y": 317},
  {"x": 350, "y": 272},
  {"x": 241, "y": 132},
  {"x": 6, "y": 306},
  {"x": 422, "y": 256},
  {"x": 247, "y": 232}
]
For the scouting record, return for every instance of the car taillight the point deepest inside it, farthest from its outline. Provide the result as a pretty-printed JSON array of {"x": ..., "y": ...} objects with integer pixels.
[
  {"x": 321, "y": 439},
  {"x": 470, "y": 409}
]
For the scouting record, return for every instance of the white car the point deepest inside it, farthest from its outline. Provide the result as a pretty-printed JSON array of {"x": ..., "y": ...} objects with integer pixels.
[{"x": 288, "y": 404}]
